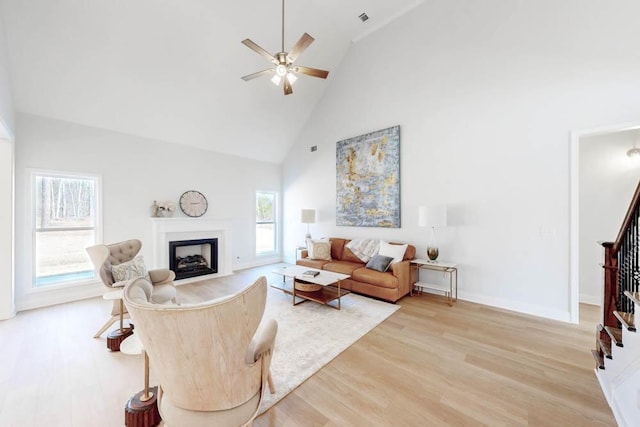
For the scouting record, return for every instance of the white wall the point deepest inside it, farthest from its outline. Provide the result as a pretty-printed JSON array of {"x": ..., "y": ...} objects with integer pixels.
[
  {"x": 486, "y": 94},
  {"x": 6, "y": 95},
  {"x": 7, "y": 308},
  {"x": 608, "y": 179},
  {"x": 135, "y": 172}
]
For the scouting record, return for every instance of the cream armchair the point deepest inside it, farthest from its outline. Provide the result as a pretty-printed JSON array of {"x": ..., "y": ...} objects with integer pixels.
[
  {"x": 104, "y": 257},
  {"x": 211, "y": 359}
]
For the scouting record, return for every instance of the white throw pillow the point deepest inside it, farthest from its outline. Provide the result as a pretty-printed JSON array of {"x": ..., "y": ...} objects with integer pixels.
[
  {"x": 130, "y": 270},
  {"x": 319, "y": 249},
  {"x": 394, "y": 251}
]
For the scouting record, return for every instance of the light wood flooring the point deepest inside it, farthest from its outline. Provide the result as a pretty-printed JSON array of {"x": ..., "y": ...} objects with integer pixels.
[{"x": 427, "y": 365}]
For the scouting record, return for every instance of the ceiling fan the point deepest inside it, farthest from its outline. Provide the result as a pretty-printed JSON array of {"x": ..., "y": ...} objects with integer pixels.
[{"x": 283, "y": 69}]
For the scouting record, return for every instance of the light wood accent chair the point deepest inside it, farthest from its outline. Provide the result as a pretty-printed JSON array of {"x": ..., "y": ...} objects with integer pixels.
[
  {"x": 212, "y": 359},
  {"x": 104, "y": 256}
]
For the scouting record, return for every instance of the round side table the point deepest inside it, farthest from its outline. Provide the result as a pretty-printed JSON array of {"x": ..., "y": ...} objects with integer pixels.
[
  {"x": 115, "y": 338},
  {"x": 142, "y": 408}
]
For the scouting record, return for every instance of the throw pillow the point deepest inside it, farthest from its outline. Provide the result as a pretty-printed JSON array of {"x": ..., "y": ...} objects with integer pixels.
[
  {"x": 130, "y": 270},
  {"x": 394, "y": 251},
  {"x": 379, "y": 263},
  {"x": 319, "y": 249}
]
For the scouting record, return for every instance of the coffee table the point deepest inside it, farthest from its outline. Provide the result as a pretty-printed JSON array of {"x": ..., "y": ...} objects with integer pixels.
[{"x": 328, "y": 280}]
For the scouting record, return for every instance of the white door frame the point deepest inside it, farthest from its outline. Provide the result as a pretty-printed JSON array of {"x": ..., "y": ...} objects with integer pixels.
[{"x": 574, "y": 213}]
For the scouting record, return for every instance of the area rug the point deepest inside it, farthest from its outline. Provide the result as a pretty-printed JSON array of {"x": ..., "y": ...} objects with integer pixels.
[{"x": 310, "y": 335}]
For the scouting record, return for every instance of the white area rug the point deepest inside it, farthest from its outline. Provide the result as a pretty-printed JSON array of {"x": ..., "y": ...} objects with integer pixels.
[{"x": 310, "y": 335}]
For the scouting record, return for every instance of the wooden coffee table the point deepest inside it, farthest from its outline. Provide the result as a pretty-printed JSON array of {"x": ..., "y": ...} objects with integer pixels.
[{"x": 329, "y": 281}]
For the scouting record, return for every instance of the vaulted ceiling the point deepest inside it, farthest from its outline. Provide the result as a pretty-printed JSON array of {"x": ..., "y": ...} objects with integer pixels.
[{"x": 170, "y": 70}]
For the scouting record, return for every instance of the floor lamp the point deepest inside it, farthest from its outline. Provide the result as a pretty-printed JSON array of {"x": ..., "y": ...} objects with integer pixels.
[{"x": 432, "y": 216}]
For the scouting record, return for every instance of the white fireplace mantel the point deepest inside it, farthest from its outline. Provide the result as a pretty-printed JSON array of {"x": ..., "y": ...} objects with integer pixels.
[{"x": 166, "y": 230}]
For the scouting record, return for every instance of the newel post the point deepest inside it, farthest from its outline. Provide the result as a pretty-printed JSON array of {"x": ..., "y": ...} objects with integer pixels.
[{"x": 610, "y": 291}]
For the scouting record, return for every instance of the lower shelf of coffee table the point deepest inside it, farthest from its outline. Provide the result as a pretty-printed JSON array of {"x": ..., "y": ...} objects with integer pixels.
[{"x": 325, "y": 295}]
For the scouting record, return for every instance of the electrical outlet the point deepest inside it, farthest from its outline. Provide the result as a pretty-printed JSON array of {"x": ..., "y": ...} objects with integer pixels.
[
  {"x": 314, "y": 148},
  {"x": 547, "y": 232}
]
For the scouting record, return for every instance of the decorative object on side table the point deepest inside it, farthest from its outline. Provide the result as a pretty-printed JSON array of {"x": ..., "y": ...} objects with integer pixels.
[
  {"x": 432, "y": 216},
  {"x": 163, "y": 208},
  {"x": 193, "y": 203},
  {"x": 307, "y": 216}
]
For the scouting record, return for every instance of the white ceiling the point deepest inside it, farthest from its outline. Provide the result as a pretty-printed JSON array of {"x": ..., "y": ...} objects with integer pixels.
[{"x": 170, "y": 69}]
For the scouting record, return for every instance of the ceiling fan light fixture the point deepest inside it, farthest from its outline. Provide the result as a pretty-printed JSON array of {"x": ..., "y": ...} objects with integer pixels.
[
  {"x": 281, "y": 70},
  {"x": 292, "y": 78},
  {"x": 276, "y": 79}
]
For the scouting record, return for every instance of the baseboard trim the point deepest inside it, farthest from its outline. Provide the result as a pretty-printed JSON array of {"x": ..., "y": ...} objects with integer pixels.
[
  {"x": 534, "y": 310},
  {"x": 590, "y": 299},
  {"x": 59, "y": 296},
  {"x": 520, "y": 307}
]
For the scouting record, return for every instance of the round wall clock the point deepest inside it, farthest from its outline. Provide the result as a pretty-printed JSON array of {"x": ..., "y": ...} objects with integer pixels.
[{"x": 193, "y": 203}]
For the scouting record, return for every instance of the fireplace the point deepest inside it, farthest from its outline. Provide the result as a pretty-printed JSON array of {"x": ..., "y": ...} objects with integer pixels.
[{"x": 192, "y": 258}]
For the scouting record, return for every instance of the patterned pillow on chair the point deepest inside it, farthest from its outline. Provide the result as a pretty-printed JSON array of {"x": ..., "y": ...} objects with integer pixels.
[{"x": 129, "y": 270}]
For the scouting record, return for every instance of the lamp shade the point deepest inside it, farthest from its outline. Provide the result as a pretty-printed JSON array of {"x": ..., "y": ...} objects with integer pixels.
[
  {"x": 307, "y": 216},
  {"x": 422, "y": 216},
  {"x": 432, "y": 216}
]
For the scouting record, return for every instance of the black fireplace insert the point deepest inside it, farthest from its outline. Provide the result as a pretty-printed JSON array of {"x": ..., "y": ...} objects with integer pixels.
[{"x": 192, "y": 258}]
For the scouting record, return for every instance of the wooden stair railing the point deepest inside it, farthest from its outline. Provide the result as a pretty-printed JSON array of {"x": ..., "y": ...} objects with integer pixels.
[{"x": 621, "y": 279}]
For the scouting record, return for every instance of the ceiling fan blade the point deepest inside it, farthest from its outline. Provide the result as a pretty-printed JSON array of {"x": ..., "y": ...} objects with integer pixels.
[
  {"x": 258, "y": 74},
  {"x": 300, "y": 47},
  {"x": 288, "y": 90},
  {"x": 251, "y": 45},
  {"x": 313, "y": 72}
]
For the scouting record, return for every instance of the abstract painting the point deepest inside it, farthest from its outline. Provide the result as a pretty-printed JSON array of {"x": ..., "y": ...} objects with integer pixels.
[{"x": 368, "y": 180}]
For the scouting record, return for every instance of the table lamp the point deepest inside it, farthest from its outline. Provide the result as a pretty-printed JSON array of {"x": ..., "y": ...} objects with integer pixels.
[
  {"x": 432, "y": 216},
  {"x": 308, "y": 216}
]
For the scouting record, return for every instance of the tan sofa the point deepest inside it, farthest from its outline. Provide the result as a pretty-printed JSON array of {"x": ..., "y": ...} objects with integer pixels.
[{"x": 390, "y": 286}]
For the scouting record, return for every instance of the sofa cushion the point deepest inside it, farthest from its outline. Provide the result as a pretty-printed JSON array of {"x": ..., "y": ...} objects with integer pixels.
[
  {"x": 344, "y": 267},
  {"x": 366, "y": 275},
  {"x": 348, "y": 255},
  {"x": 410, "y": 253},
  {"x": 313, "y": 263},
  {"x": 319, "y": 249},
  {"x": 396, "y": 252},
  {"x": 337, "y": 246},
  {"x": 379, "y": 263}
]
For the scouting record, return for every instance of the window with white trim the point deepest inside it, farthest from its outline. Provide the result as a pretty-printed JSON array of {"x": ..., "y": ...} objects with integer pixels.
[
  {"x": 65, "y": 222},
  {"x": 266, "y": 226}
]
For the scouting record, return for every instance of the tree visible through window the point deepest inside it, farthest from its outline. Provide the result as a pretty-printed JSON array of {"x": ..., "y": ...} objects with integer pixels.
[
  {"x": 65, "y": 224},
  {"x": 265, "y": 222}
]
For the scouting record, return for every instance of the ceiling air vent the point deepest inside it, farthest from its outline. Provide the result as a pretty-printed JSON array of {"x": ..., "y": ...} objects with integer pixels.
[{"x": 363, "y": 17}]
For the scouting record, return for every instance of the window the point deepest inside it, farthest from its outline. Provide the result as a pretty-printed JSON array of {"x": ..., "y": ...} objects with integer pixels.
[
  {"x": 65, "y": 223},
  {"x": 266, "y": 229}
]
